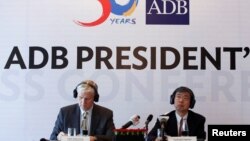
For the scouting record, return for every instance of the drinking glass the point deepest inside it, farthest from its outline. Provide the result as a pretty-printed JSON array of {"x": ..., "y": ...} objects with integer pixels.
[{"x": 71, "y": 131}]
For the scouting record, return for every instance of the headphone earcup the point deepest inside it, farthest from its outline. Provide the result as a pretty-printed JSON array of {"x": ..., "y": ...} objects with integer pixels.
[
  {"x": 75, "y": 93},
  {"x": 192, "y": 100},
  {"x": 172, "y": 98},
  {"x": 192, "y": 103},
  {"x": 96, "y": 97}
]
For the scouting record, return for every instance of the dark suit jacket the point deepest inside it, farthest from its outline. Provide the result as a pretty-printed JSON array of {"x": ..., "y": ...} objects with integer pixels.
[
  {"x": 196, "y": 125},
  {"x": 102, "y": 124}
]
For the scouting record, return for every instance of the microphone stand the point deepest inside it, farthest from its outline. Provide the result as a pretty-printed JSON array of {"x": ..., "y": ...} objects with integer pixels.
[
  {"x": 163, "y": 138},
  {"x": 146, "y": 133}
]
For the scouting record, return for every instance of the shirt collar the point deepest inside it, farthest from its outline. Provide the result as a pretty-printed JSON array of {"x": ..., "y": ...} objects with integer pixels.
[
  {"x": 178, "y": 117},
  {"x": 89, "y": 111}
]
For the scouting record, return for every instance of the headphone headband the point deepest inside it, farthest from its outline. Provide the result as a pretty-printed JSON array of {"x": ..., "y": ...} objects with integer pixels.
[
  {"x": 90, "y": 83},
  {"x": 184, "y": 89}
]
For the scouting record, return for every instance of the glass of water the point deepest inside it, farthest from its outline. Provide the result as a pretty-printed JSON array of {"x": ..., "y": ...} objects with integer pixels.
[{"x": 71, "y": 131}]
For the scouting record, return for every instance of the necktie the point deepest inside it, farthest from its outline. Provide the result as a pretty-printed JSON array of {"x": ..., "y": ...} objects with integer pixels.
[
  {"x": 84, "y": 125},
  {"x": 180, "y": 128}
]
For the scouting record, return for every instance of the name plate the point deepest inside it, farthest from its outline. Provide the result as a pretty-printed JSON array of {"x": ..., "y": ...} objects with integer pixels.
[
  {"x": 75, "y": 138},
  {"x": 186, "y": 138}
]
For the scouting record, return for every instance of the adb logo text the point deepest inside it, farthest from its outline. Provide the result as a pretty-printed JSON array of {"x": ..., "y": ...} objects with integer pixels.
[
  {"x": 110, "y": 6},
  {"x": 167, "y": 12}
]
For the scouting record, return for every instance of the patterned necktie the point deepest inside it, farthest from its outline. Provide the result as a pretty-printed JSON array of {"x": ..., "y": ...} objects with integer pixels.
[
  {"x": 84, "y": 125},
  {"x": 180, "y": 128}
]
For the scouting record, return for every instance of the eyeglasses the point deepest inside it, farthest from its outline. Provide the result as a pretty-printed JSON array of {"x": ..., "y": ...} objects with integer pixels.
[{"x": 185, "y": 97}]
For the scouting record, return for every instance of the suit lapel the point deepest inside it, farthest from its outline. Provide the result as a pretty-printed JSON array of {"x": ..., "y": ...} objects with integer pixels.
[
  {"x": 76, "y": 121},
  {"x": 174, "y": 126},
  {"x": 190, "y": 122},
  {"x": 94, "y": 120}
]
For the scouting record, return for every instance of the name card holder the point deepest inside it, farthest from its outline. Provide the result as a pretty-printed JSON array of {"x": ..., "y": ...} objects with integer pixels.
[
  {"x": 75, "y": 138},
  {"x": 183, "y": 138},
  {"x": 129, "y": 134}
]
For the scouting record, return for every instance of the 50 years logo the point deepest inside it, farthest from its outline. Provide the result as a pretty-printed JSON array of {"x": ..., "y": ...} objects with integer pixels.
[{"x": 110, "y": 6}]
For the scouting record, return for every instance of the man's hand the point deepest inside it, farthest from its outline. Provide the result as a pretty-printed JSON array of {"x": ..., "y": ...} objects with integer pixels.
[
  {"x": 59, "y": 136},
  {"x": 92, "y": 138}
]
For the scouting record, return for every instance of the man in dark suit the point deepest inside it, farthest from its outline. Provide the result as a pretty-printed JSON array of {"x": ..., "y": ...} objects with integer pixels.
[
  {"x": 99, "y": 120},
  {"x": 183, "y": 99}
]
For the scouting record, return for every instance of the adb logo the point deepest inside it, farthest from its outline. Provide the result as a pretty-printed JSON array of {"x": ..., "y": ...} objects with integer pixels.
[
  {"x": 167, "y": 12},
  {"x": 110, "y": 6}
]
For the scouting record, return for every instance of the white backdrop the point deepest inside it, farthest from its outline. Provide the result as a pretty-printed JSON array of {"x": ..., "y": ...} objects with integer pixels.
[{"x": 30, "y": 98}]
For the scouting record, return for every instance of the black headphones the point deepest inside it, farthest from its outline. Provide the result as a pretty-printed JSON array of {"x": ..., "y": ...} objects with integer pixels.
[
  {"x": 184, "y": 89},
  {"x": 96, "y": 97}
]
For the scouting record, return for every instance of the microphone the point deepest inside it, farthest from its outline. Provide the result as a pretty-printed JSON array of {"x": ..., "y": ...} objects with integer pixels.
[
  {"x": 134, "y": 120},
  {"x": 150, "y": 117},
  {"x": 43, "y": 139},
  {"x": 163, "y": 121}
]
